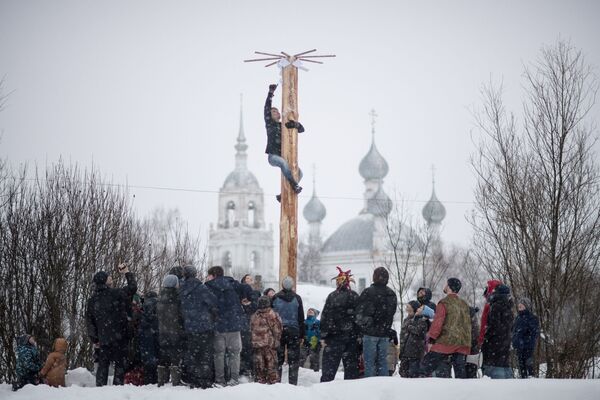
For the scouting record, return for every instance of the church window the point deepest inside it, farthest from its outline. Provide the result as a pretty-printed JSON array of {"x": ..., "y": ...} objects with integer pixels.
[
  {"x": 253, "y": 260},
  {"x": 230, "y": 214},
  {"x": 362, "y": 283},
  {"x": 227, "y": 263},
  {"x": 251, "y": 214}
]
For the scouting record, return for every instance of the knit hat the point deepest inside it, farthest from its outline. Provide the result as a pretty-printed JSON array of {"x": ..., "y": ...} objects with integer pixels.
[
  {"x": 315, "y": 311},
  {"x": 343, "y": 278},
  {"x": 526, "y": 302},
  {"x": 415, "y": 305},
  {"x": 170, "y": 281},
  {"x": 288, "y": 283},
  {"x": 381, "y": 276},
  {"x": 264, "y": 302},
  {"x": 454, "y": 284},
  {"x": 100, "y": 278},
  {"x": 189, "y": 271}
]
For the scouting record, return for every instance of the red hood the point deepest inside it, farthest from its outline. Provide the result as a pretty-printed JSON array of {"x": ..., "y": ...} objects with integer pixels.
[{"x": 491, "y": 285}]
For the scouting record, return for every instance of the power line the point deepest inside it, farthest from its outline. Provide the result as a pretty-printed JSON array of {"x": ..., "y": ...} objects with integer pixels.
[{"x": 193, "y": 190}]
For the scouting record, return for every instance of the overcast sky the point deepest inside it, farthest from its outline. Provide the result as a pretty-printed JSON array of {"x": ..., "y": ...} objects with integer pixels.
[{"x": 149, "y": 91}]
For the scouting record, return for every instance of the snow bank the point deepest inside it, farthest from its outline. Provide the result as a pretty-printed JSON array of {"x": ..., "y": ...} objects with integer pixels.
[
  {"x": 364, "y": 389},
  {"x": 313, "y": 296}
]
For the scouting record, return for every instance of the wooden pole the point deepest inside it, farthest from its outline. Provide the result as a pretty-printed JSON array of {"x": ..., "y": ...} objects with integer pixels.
[{"x": 288, "y": 226}]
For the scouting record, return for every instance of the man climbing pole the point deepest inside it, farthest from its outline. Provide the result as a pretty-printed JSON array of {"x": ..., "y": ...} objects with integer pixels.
[{"x": 273, "y": 125}]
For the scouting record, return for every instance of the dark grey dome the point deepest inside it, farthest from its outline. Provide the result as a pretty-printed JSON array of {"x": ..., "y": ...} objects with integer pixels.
[
  {"x": 314, "y": 210},
  {"x": 356, "y": 234},
  {"x": 434, "y": 211},
  {"x": 373, "y": 165},
  {"x": 380, "y": 204}
]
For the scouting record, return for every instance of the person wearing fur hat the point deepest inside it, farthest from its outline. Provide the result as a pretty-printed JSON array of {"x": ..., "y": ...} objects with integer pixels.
[
  {"x": 339, "y": 332},
  {"x": 412, "y": 340},
  {"x": 289, "y": 306},
  {"x": 450, "y": 332},
  {"x": 28, "y": 362},
  {"x": 375, "y": 314},
  {"x": 266, "y": 329},
  {"x": 107, "y": 318},
  {"x": 56, "y": 364},
  {"x": 312, "y": 343},
  {"x": 525, "y": 333},
  {"x": 498, "y": 334}
]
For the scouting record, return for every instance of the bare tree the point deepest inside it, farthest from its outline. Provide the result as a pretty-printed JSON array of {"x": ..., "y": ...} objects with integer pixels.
[
  {"x": 401, "y": 254},
  {"x": 309, "y": 255},
  {"x": 537, "y": 219},
  {"x": 56, "y": 230}
]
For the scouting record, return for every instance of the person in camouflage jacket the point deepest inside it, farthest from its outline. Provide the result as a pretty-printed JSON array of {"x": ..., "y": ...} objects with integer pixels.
[
  {"x": 266, "y": 328},
  {"x": 28, "y": 362}
]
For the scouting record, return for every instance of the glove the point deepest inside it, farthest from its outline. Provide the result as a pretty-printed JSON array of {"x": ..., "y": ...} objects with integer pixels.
[
  {"x": 272, "y": 88},
  {"x": 291, "y": 124}
]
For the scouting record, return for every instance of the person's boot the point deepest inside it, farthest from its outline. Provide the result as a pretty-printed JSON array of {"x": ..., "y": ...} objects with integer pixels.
[
  {"x": 161, "y": 375},
  {"x": 175, "y": 376}
]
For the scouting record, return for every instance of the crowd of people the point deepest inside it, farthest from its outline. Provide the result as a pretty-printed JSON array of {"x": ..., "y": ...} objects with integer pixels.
[{"x": 222, "y": 332}]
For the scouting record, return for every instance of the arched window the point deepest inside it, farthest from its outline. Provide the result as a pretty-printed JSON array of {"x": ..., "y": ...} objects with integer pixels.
[
  {"x": 251, "y": 214},
  {"x": 253, "y": 260},
  {"x": 230, "y": 209}
]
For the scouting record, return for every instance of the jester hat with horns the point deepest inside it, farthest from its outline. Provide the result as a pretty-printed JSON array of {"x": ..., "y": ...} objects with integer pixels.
[{"x": 343, "y": 278}]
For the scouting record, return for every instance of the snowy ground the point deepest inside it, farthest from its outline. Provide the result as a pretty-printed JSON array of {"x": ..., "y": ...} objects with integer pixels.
[{"x": 310, "y": 389}]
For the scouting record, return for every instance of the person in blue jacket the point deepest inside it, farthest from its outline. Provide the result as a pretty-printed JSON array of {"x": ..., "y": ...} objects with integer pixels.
[
  {"x": 312, "y": 342},
  {"x": 28, "y": 362},
  {"x": 231, "y": 295},
  {"x": 525, "y": 332}
]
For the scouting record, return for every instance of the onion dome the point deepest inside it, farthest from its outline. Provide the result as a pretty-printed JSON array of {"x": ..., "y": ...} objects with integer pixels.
[
  {"x": 314, "y": 210},
  {"x": 434, "y": 211},
  {"x": 380, "y": 204},
  {"x": 373, "y": 165}
]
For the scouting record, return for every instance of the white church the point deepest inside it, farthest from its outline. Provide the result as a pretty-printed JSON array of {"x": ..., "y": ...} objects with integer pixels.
[{"x": 242, "y": 243}]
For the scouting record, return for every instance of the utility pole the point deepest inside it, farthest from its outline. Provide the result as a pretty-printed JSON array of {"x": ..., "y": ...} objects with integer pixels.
[{"x": 288, "y": 224}]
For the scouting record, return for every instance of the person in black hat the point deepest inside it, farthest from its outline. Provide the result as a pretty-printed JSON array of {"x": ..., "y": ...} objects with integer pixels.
[
  {"x": 107, "y": 314},
  {"x": 450, "y": 332}
]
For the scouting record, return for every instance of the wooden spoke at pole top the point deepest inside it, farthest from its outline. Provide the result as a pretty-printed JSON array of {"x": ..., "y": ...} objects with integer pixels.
[{"x": 288, "y": 225}]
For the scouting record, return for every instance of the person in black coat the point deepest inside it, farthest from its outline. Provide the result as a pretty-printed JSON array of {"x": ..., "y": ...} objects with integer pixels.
[
  {"x": 148, "y": 337},
  {"x": 199, "y": 309},
  {"x": 273, "y": 125},
  {"x": 498, "y": 333},
  {"x": 289, "y": 306},
  {"x": 339, "y": 332},
  {"x": 472, "y": 364},
  {"x": 525, "y": 332},
  {"x": 375, "y": 314},
  {"x": 107, "y": 318},
  {"x": 170, "y": 331}
]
